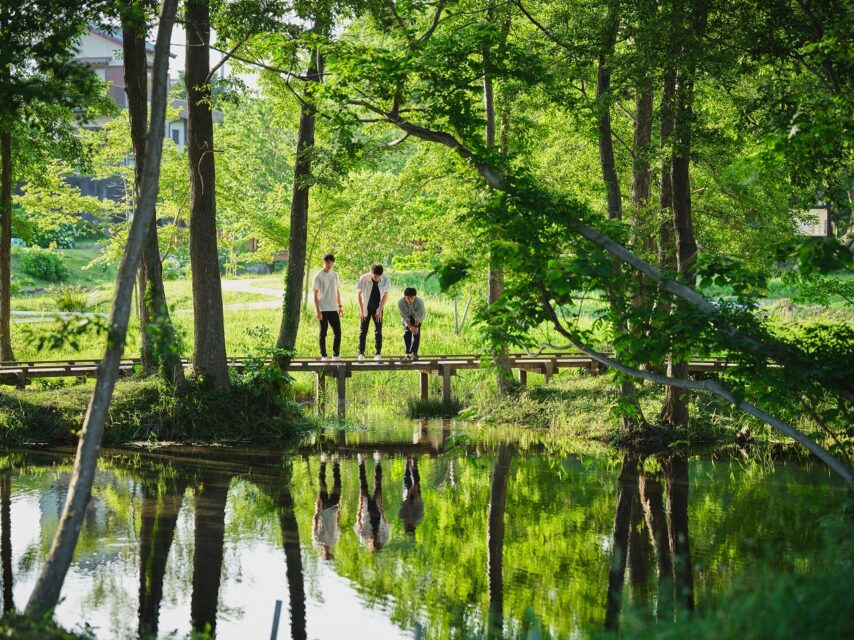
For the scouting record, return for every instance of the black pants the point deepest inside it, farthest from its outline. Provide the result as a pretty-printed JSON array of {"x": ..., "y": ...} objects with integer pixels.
[
  {"x": 330, "y": 319},
  {"x": 374, "y": 513},
  {"x": 411, "y": 341},
  {"x": 326, "y": 500},
  {"x": 378, "y": 332}
]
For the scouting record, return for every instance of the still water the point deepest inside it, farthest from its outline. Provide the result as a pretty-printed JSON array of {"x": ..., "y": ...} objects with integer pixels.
[{"x": 421, "y": 530}]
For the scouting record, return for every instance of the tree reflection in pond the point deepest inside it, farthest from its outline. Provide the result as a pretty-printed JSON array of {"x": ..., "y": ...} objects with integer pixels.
[{"x": 554, "y": 544}]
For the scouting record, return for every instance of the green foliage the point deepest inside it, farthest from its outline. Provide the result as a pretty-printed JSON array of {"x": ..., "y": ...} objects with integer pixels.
[
  {"x": 432, "y": 408},
  {"x": 18, "y": 625},
  {"x": 43, "y": 264},
  {"x": 72, "y": 298}
]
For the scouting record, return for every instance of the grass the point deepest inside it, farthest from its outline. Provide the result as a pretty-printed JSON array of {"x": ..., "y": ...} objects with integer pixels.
[
  {"x": 147, "y": 410},
  {"x": 432, "y": 408}
]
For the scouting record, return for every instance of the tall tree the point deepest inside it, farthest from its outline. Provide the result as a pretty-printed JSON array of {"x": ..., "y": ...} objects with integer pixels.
[
  {"x": 45, "y": 594},
  {"x": 158, "y": 334},
  {"x": 298, "y": 239},
  {"x": 209, "y": 356}
]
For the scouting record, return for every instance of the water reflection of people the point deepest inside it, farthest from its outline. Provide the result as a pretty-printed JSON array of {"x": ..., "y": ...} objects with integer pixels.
[
  {"x": 371, "y": 523},
  {"x": 412, "y": 508},
  {"x": 327, "y": 510}
]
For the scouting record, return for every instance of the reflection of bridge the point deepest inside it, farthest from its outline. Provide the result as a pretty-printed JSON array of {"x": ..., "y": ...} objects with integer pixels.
[{"x": 445, "y": 366}]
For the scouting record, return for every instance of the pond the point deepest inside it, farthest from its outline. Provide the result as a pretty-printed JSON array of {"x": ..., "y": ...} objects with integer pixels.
[{"x": 417, "y": 530}]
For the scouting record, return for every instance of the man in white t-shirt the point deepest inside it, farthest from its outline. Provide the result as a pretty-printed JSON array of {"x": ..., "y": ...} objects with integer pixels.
[{"x": 327, "y": 303}]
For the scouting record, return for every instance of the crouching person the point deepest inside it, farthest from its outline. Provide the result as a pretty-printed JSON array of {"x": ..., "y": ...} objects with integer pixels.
[{"x": 412, "y": 312}]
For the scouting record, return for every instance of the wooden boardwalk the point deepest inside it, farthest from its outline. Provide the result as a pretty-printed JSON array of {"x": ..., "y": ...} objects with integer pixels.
[{"x": 445, "y": 366}]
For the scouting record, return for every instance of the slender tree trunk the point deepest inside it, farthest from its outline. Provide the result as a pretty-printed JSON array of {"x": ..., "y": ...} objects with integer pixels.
[
  {"x": 638, "y": 559},
  {"x": 614, "y": 196},
  {"x": 495, "y": 541},
  {"x": 159, "y": 519},
  {"x": 6, "y": 245},
  {"x": 676, "y": 469},
  {"x": 211, "y": 498},
  {"x": 209, "y": 356},
  {"x": 495, "y": 275},
  {"x": 6, "y": 541},
  {"x": 291, "y": 311},
  {"x": 293, "y": 563},
  {"x": 159, "y": 344},
  {"x": 627, "y": 488},
  {"x": 45, "y": 595}
]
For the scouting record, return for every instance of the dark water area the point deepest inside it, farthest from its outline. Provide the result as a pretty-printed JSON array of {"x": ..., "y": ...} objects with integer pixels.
[{"x": 415, "y": 531}]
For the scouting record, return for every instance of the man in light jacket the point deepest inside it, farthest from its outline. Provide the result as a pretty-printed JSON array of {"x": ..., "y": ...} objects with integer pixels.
[
  {"x": 373, "y": 289},
  {"x": 412, "y": 312}
]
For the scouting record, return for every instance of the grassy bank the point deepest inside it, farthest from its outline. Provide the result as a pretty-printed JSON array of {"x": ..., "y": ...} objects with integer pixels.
[{"x": 147, "y": 410}]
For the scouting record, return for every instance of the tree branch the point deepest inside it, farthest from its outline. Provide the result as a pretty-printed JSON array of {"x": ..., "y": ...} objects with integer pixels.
[{"x": 223, "y": 60}]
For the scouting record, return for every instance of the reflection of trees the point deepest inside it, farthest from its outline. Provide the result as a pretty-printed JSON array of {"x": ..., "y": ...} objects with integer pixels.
[
  {"x": 161, "y": 503},
  {"x": 210, "y": 500},
  {"x": 6, "y": 539},
  {"x": 495, "y": 541},
  {"x": 641, "y": 503}
]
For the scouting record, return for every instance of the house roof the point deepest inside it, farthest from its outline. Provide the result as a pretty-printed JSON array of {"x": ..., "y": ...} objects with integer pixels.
[{"x": 115, "y": 36}]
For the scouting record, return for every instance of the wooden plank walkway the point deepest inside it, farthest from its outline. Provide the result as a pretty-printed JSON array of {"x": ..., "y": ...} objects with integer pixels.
[{"x": 446, "y": 366}]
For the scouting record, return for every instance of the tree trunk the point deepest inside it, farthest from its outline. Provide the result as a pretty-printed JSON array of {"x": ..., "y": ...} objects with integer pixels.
[
  {"x": 209, "y": 357},
  {"x": 676, "y": 469},
  {"x": 495, "y": 541},
  {"x": 6, "y": 541},
  {"x": 159, "y": 343},
  {"x": 614, "y": 196},
  {"x": 298, "y": 240},
  {"x": 159, "y": 519},
  {"x": 627, "y": 489},
  {"x": 495, "y": 275},
  {"x": 211, "y": 498},
  {"x": 6, "y": 246},
  {"x": 45, "y": 595}
]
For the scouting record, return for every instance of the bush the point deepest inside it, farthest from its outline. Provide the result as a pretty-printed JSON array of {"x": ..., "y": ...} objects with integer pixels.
[
  {"x": 71, "y": 298},
  {"x": 44, "y": 265},
  {"x": 432, "y": 408}
]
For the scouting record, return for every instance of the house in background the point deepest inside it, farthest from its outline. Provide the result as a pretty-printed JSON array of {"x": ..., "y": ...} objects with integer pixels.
[
  {"x": 819, "y": 223},
  {"x": 101, "y": 51}
]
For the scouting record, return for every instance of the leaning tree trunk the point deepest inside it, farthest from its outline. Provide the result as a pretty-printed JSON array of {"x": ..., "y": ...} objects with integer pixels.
[
  {"x": 45, "y": 595},
  {"x": 209, "y": 356},
  {"x": 6, "y": 246},
  {"x": 298, "y": 240},
  {"x": 614, "y": 197},
  {"x": 159, "y": 344}
]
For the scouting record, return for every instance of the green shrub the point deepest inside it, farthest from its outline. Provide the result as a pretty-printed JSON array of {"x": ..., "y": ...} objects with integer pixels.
[
  {"x": 71, "y": 298},
  {"x": 44, "y": 265},
  {"x": 432, "y": 408}
]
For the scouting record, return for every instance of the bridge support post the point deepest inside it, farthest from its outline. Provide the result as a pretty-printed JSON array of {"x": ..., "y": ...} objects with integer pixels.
[
  {"x": 446, "y": 373},
  {"x": 320, "y": 391},
  {"x": 425, "y": 384},
  {"x": 341, "y": 376},
  {"x": 523, "y": 377},
  {"x": 548, "y": 370}
]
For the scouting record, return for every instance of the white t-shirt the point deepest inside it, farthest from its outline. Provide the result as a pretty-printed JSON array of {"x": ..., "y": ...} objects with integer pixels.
[{"x": 326, "y": 282}]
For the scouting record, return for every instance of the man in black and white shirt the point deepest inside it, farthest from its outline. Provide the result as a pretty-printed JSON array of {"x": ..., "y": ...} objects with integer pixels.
[{"x": 373, "y": 294}]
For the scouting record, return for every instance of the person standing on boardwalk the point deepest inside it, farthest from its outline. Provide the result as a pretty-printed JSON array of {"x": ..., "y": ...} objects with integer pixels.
[
  {"x": 373, "y": 289},
  {"x": 327, "y": 302},
  {"x": 412, "y": 312}
]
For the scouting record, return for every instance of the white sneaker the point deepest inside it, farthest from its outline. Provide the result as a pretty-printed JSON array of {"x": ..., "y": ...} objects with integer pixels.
[
  {"x": 407, "y": 357},
  {"x": 360, "y": 457},
  {"x": 322, "y": 457},
  {"x": 336, "y": 358},
  {"x": 360, "y": 357},
  {"x": 324, "y": 358},
  {"x": 376, "y": 456},
  {"x": 378, "y": 357}
]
